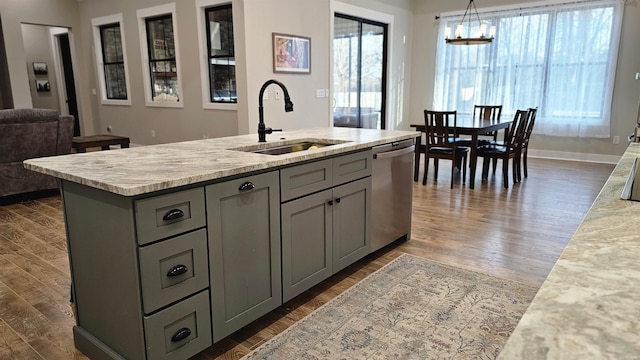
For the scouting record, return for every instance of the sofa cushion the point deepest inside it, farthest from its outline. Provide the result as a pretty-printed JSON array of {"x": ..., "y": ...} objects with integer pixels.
[{"x": 27, "y": 134}]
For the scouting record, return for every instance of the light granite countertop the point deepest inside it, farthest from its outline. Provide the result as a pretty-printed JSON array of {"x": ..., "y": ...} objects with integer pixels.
[
  {"x": 588, "y": 307},
  {"x": 144, "y": 169}
]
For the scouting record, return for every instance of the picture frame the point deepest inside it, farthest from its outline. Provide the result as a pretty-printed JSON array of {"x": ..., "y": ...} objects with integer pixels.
[
  {"x": 40, "y": 68},
  {"x": 291, "y": 54},
  {"x": 43, "y": 86}
]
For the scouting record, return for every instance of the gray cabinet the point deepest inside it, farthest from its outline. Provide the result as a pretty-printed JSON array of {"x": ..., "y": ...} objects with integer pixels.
[
  {"x": 324, "y": 231},
  {"x": 164, "y": 275},
  {"x": 243, "y": 217},
  {"x": 130, "y": 300}
]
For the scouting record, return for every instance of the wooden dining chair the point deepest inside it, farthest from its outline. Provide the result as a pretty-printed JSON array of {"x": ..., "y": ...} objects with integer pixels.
[
  {"x": 440, "y": 127},
  {"x": 487, "y": 112},
  {"x": 484, "y": 112},
  {"x": 509, "y": 150},
  {"x": 524, "y": 144}
]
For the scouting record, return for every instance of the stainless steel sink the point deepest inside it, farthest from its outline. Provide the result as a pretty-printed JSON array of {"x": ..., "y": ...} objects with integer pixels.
[{"x": 289, "y": 147}]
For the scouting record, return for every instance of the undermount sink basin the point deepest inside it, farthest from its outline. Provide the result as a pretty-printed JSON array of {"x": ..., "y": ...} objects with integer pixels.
[{"x": 281, "y": 148}]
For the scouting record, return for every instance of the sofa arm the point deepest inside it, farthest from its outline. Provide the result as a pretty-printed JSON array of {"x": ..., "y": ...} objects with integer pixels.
[{"x": 65, "y": 134}]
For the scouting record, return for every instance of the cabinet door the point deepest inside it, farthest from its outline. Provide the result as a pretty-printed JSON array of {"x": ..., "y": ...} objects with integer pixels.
[
  {"x": 244, "y": 250},
  {"x": 306, "y": 243},
  {"x": 351, "y": 222}
]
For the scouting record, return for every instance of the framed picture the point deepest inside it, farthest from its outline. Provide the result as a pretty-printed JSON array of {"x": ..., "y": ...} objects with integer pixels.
[
  {"x": 40, "y": 68},
  {"x": 291, "y": 54},
  {"x": 43, "y": 86}
]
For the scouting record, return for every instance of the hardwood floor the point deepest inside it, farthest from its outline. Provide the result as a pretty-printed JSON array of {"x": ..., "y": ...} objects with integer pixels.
[{"x": 515, "y": 234}]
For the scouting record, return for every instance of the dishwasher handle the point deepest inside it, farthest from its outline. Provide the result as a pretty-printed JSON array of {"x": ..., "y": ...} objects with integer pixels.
[{"x": 394, "y": 153}]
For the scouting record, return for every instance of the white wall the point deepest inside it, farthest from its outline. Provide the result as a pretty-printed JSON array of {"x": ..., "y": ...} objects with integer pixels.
[
  {"x": 295, "y": 17},
  {"x": 62, "y": 13},
  {"x": 37, "y": 48},
  {"x": 625, "y": 94}
]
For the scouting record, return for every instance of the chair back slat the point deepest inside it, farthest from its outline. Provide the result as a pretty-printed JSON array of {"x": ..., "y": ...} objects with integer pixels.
[{"x": 487, "y": 112}]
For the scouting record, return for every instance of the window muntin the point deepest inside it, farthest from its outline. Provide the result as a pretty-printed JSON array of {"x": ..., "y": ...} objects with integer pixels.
[
  {"x": 162, "y": 58},
  {"x": 560, "y": 58},
  {"x": 220, "y": 54},
  {"x": 113, "y": 62}
]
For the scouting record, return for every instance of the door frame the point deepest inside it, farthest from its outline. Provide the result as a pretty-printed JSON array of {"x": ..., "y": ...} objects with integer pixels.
[{"x": 54, "y": 34}]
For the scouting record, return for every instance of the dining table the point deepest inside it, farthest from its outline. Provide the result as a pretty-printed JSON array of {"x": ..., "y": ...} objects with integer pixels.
[{"x": 465, "y": 126}]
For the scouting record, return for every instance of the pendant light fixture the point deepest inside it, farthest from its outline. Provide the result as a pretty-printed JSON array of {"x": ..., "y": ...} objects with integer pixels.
[{"x": 481, "y": 36}]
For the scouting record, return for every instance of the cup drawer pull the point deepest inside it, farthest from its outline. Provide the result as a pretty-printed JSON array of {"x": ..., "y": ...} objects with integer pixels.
[
  {"x": 177, "y": 270},
  {"x": 246, "y": 186},
  {"x": 173, "y": 214},
  {"x": 181, "y": 335}
]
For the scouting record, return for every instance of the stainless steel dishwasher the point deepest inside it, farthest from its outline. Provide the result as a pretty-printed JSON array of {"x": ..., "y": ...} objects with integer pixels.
[{"x": 392, "y": 183}]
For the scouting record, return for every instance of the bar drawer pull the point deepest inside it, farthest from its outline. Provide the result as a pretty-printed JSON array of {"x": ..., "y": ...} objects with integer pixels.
[
  {"x": 181, "y": 335},
  {"x": 177, "y": 270},
  {"x": 173, "y": 214}
]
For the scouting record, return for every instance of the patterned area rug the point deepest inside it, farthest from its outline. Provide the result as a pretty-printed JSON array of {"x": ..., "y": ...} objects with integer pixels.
[{"x": 412, "y": 308}]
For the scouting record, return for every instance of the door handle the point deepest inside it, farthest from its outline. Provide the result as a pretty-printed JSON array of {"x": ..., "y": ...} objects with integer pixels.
[{"x": 394, "y": 153}]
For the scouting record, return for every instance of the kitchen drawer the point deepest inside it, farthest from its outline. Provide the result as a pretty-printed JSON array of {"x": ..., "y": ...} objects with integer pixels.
[
  {"x": 173, "y": 269},
  {"x": 171, "y": 214},
  {"x": 179, "y": 331},
  {"x": 297, "y": 181},
  {"x": 351, "y": 167}
]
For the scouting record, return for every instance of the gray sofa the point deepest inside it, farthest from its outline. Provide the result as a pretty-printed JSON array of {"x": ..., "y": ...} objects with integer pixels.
[{"x": 26, "y": 134}]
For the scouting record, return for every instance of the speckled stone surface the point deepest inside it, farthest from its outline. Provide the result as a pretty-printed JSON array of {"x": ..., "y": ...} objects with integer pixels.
[
  {"x": 140, "y": 170},
  {"x": 589, "y": 305}
]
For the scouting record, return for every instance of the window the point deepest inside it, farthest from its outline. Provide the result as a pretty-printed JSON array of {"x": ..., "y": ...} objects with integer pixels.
[
  {"x": 215, "y": 25},
  {"x": 222, "y": 68},
  {"x": 111, "y": 60},
  {"x": 158, "y": 37},
  {"x": 560, "y": 58}
]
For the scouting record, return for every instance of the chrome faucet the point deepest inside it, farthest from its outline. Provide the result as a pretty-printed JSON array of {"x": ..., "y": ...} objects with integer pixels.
[{"x": 288, "y": 107}]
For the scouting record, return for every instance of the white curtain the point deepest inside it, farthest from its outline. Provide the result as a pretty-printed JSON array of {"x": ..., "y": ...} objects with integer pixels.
[{"x": 560, "y": 58}]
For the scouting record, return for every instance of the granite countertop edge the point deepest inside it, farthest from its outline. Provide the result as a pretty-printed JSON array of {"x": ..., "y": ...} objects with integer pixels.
[
  {"x": 587, "y": 308},
  {"x": 145, "y": 169}
]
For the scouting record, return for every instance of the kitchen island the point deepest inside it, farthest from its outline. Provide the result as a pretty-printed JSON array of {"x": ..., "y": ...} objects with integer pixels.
[
  {"x": 587, "y": 308},
  {"x": 173, "y": 247}
]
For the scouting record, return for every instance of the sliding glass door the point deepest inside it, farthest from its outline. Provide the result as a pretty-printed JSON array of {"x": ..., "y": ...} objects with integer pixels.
[{"x": 359, "y": 72}]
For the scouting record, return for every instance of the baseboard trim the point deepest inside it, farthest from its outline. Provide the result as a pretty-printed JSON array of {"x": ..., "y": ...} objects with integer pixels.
[{"x": 572, "y": 156}]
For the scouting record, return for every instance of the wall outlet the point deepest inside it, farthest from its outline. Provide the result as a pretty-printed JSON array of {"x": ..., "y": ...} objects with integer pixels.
[
  {"x": 616, "y": 139},
  {"x": 153, "y": 133},
  {"x": 265, "y": 96},
  {"x": 277, "y": 94}
]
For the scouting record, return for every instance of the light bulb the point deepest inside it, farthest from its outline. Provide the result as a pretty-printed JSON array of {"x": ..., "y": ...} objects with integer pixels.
[
  {"x": 447, "y": 33},
  {"x": 483, "y": 30},
  {"x": 492, "y": 31},
  {"x": 458, "y": 31}
]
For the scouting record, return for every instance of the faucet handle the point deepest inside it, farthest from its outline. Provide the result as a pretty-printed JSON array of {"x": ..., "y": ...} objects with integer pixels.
[{"x": 270, "y": 130}]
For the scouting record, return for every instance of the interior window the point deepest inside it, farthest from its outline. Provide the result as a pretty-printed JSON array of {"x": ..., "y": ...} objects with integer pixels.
[
  {"x": 113, "y": 61},
  {"x": 220, "y": 48},
  {"x": 162, "y": 59}
]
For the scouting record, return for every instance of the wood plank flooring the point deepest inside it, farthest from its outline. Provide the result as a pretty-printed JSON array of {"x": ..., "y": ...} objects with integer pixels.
[{"x": 516, "y": 234}]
